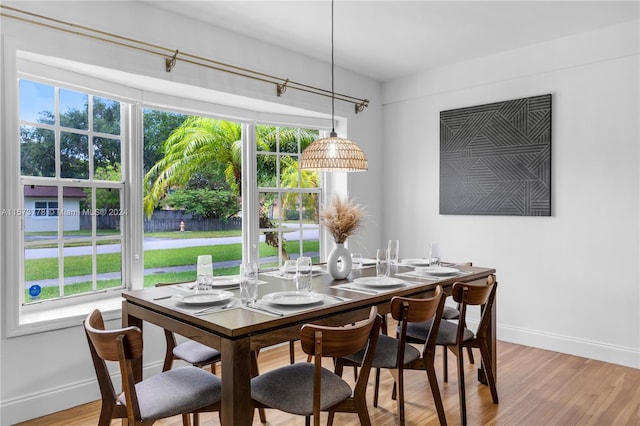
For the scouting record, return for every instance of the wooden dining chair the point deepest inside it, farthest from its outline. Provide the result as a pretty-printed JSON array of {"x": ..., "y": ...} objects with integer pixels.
[
  {"x": 451, "y": 313},
  {"x": 306, "y": 388},
  {"x": 456, "y": 337},
  {"x": 397, "y": 355},
  {"x": 195, "y": 353},
  {"x": 182, "y": 390}
]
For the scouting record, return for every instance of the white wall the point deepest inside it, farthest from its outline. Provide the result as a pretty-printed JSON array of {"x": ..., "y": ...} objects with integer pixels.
[
  {"x": 569, "y": 282},
  {"x": 47, "y": 372}
]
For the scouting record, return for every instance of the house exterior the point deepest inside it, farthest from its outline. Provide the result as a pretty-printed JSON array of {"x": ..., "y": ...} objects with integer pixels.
[{"x": 42, "y": 208}]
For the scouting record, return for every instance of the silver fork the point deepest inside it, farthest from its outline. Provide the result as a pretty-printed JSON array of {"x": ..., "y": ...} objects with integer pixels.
[{"x": 214, "y": 308}]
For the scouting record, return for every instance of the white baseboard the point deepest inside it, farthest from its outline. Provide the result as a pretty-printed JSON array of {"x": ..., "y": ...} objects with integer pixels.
[
  {"x": 52, "y": 400},
  {"x": 628, "y": 357}
]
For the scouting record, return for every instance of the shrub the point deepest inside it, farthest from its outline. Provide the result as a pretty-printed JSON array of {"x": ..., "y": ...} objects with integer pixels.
[{"x": 205, "y": 203}]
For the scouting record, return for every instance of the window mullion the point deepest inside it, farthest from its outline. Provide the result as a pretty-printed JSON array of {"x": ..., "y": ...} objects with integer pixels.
[
  {"x": 132, "y": 194},
  {"x": 250, "y": 205},
  {"x": 60, "y": 221}
]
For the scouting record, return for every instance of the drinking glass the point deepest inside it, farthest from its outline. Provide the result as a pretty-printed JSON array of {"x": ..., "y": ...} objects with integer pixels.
[
  {"x": 434, "y": 255},
  {"x": 204, "y": 280},
  {"x": 381, "y": 263},
  {"x": 304, "y": 271},
  {"x": 289, "y": 269},
  {"x": 249, "y": 283},
  {"x": 393, "y": 250},
  {"x": 356, "y": 260}
]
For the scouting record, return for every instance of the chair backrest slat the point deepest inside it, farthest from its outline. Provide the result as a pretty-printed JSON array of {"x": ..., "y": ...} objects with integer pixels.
[
  {"x": 104, "y": 341},
  {"x": 478, "y": 293},
  {"x": 483, "y": 295},
  {"x": 337, "y": 341},
  {"x": 419, "y": 310}
]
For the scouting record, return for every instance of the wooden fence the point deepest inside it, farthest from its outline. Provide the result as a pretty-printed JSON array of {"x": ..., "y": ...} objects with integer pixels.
[
  {"x": 166, "y": 221},
  {"x": 169, "y": 220}
]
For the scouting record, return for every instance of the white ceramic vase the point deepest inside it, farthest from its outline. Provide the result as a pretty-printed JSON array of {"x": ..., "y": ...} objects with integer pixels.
[{"x": 339, "y": 262}]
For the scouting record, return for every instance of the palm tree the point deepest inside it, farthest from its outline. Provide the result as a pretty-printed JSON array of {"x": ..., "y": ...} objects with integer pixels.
[
  {"x": 189, "y": 148},
  {"x": 200, "y": 141},
  {"x": 289, "y": 179}
]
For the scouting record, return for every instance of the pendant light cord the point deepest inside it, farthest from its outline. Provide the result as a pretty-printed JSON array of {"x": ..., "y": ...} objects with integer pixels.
[{"x": 333, "y": 91}]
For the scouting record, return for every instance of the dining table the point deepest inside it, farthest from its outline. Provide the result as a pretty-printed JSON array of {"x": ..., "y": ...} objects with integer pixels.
[{"x": 238, "y": 330}]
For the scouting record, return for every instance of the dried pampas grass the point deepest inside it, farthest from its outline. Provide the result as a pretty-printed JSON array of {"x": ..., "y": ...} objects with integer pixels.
[{"x": 342, "y": 218}]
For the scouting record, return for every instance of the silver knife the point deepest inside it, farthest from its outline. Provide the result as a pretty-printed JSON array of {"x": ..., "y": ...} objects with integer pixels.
[
  {"x": 260, "y": 308},
  {"x": 360, "y": 289},
  {"x": 342, "y": 299}
]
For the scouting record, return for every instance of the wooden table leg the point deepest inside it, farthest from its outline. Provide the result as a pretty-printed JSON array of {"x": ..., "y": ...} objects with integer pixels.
[
  {"x": 128, "y": 321},
  {"x": 236, "y": 382}
]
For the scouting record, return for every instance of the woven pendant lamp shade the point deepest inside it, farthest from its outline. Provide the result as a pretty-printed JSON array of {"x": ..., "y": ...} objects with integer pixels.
[{"x": 333, "y": 154}]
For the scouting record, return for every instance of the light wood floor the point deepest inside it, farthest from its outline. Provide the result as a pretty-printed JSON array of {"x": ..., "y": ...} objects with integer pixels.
[{"x": 536, "y": 387}]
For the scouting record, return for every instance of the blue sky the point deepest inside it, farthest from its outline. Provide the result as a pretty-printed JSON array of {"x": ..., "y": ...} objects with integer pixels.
[{"x": 37, "y": 97}]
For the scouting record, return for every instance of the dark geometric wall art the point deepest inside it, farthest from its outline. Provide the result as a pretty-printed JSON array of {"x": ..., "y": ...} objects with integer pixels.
[{"x": 495, "y": 159}]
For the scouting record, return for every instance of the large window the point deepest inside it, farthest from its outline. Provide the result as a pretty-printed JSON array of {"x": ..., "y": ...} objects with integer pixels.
[
  {"x": 72, "y": 186},
  {"x": 288, "y": 198},
  {"x": 84, "y": 161},
  {"x": 191, "y": 195},
  {"x": 193, "y": 192}
]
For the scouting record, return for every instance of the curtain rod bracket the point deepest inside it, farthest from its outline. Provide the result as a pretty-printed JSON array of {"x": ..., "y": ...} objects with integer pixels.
[
  {"x": 362, "y": 105},
  {"x": 170, "y": 63},
  {"x": 281, "y": 88}
]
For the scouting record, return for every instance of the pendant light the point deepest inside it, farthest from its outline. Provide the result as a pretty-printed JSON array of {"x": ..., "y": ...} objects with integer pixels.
[{"x": 333, "y": 154}]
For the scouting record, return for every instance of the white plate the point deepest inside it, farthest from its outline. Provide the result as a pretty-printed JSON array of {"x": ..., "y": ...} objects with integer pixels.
[
  {"x": 292, "y": 298},
  {"x": 379, "y": 281},
  {"x": 368, "y": 262},
  {"x": 438, "y": 270},
  {"x": 313, "y": 268},
  {"x": 206, "y": 298},
  {"x": 416, "y": 262},
  {"x": 226, "y": 281}
]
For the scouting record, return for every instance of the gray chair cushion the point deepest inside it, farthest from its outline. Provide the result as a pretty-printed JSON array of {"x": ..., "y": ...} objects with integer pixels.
[
  {"x": 386, "y": 353},
  {"x": 181, "y": 390},
  {"x": 449, "y": 312},
  {"x": 446, "y": 332},
  {"x": 196, "y": 353},
  {"x": 290, "y": 389}
]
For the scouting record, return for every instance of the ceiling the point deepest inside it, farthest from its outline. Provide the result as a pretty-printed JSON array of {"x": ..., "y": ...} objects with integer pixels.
[{"x": 389, "y": 39}]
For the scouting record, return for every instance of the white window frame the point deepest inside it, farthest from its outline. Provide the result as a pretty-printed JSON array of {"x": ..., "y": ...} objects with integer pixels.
[
  {"x": 60, "y": 183},
  {"x": 16, "y": 322},
  {"x": 20, "y": 318},
  {"x": 280, "y": 191}
]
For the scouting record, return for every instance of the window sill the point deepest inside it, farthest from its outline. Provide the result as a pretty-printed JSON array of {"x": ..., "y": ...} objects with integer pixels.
[{"x": 59, "y": 317}]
